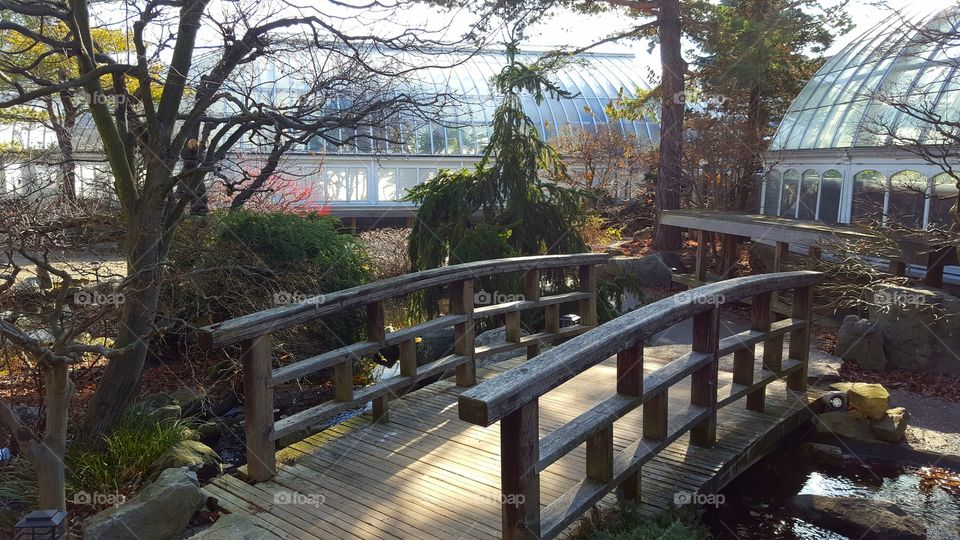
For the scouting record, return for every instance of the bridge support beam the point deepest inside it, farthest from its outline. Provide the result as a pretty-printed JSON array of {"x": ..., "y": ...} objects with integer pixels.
[
  {"x": 258, "y": 409},
  {"x": 703, "y": 385},
  {"x": 519, "y": 480}
]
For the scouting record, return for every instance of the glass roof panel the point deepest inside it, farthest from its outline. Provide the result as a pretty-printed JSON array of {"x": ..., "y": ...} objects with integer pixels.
[{"x": 843, "y": 103}]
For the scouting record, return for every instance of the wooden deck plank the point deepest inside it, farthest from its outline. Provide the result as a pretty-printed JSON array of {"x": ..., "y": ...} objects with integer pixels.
[{"x": 426, "y": 474}]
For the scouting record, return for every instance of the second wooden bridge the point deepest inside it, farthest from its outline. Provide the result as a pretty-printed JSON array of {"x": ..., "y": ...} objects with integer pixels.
[{"x": 519, "y": 449}]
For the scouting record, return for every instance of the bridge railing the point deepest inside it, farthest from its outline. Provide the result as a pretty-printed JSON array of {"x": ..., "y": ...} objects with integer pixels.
[
  {"x": 254, "y": 331},
  {"x": 512, "y": 398}
]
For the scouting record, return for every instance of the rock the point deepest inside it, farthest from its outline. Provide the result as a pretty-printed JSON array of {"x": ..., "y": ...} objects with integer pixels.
[
  {"x": 859, "y": 340},
  {"x": 871, "y": 399},
  {"x": 158, "y": 399},
  {"x": 654, "y": 270},
  {"x": 844, "y": 424},
  {"x": 194, "y": 455},
  {"x": 893, "y": 426},
  {"x": 190, "y": 400},
  {"x": 159, "y": 512},
  {"x": 858, "y": 517},
  {"x": 209, "y": 431},
  {"x": 435, "y": 345},
  {"x": 822, "y": 453},
  {"x": 920, "y": 326},
  {"x": 234, "y": 527},
  {"x": 497, "y": 335},
  {"x": 830, "y": 402},
  {"x": 166, "y": 413}
]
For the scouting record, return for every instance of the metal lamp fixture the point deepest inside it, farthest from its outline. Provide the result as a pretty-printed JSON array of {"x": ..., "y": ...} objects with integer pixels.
[{"x": 42, "y": 524}]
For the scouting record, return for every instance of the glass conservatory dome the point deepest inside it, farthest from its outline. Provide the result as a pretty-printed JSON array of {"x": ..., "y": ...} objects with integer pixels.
[{"x": 894, "y": 59}]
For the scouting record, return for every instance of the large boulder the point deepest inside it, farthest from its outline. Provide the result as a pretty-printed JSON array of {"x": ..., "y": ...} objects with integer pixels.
[
  {"x": 434, "y": 345},
  {"x": 861, "y": 341},
  {"x": 893, "y": 426},
  {"x": 871, "y": 399},
  {"x": 920, "y": 326},
  {"x": 498, "y": 335},
  {"x": 858, "y": 517},
  {"x": 194, "y": 455},
  {"x": 159, "y": 512},
  {"x": 234, "y": 527},
  {"x": 844, "y": 424},
  {"x": 654, "y": 270}
]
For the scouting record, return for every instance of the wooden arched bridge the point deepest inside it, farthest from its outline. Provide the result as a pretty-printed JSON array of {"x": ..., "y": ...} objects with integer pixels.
[{"x": 523, "y": 447}]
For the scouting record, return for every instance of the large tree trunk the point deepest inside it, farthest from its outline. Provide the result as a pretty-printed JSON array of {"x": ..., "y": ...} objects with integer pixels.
[
  {"x": 751, "y": 164},
  {"x": 671, "y": 123},
  {"x": 119, "y": 385}
]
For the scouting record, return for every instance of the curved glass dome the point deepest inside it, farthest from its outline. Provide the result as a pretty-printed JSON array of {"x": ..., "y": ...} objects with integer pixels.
[
  {"x": 464, "y": 123},
  {"x": 846, "y": 104}
]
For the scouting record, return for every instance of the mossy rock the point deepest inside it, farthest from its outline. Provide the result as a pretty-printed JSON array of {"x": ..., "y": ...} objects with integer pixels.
[{"x": 871, "y": 399}]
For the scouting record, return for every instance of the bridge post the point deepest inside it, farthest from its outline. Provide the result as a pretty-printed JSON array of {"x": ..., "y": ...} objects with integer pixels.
[
  {"x": 630, "y": 383},
  {"x": 800, "y": 339},
  {"x": 743, "y": 361},
  {"x": 461, "y": 303},
  {"x": 377, "y": 332},
  {"x": 703, "y": 385},
  {"x": 519, "y": 480},
  {"x": 258, "y": 409},
  {"x": 531, "y": 292},
  {"x": 700, "y": 271},
  {"x": 588, "y": 283}
]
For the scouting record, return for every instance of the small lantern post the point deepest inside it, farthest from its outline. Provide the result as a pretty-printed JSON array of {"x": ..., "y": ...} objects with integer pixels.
[{"x": 42, "y": 524}]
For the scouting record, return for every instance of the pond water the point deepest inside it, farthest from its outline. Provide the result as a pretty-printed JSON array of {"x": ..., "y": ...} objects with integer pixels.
[{"x": 754, "y": 503}]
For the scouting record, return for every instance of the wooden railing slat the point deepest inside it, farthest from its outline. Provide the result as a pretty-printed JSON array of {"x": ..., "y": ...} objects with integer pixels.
[{"x": 800, "y": 338}]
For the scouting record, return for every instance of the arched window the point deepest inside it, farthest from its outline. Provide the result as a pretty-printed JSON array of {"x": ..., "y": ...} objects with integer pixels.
[
  {"x": 809, "y": 189},
  {"x": 771, "y": 194},
  {"x": 908, "y": 195},
  {"x": 869, "y": 192},
  {"x": 788, "y": 195},
  {"x": 830, "y": 189},
  {"x": 944, "y": 198}
]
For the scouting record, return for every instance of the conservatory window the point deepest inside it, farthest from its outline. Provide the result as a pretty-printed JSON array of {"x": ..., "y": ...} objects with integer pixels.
[
  {"x": 944, "y": 198},
  {"x": 908, "y": 191},
  {"x": 869, "y": 192},
  {"x": 407, "y": 179},
  {"x": 771, "y": 194},
  {"x": 387, "y": 184},
  {"x": 830, "y": 189},
  {"x": 789, "y": 193},
  {"x": 809, "y": 190}
]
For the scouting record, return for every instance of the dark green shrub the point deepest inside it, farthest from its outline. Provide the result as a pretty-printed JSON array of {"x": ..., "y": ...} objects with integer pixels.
[{"x": 235, "y": 263}]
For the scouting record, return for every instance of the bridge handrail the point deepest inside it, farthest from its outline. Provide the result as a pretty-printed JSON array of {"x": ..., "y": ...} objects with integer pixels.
[
  {"x": 254, "y": 331},
  {"x": 271, "y": 320},
  {"x": 512, "y": 398}
]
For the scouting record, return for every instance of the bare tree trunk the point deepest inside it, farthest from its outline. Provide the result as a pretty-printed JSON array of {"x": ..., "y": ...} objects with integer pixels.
[
  {"x": 118, "y": 386},
  {"x": 671, "y": 123},
  {"x": 46, "y": 455}
]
